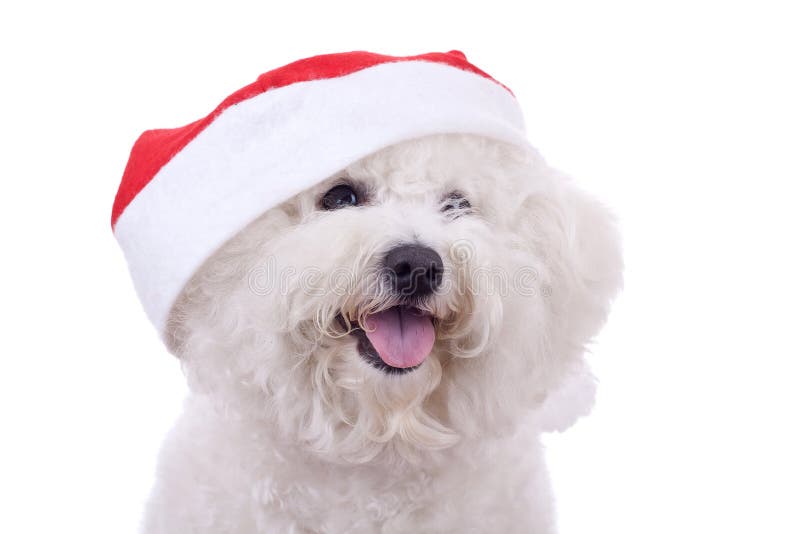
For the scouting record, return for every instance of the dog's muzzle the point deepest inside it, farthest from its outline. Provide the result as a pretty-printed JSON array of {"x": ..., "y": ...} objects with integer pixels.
[{"x": 398, "y": 339}]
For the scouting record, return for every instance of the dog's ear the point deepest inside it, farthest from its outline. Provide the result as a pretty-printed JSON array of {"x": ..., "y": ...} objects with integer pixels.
[
  {"x": 592, "y": 261},
  {"x": 175, "y": 332},
  {"x": 577, "y": 239}
]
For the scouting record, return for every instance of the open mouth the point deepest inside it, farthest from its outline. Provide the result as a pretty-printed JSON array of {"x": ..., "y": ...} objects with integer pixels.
[{"x": 396, "y": 340}]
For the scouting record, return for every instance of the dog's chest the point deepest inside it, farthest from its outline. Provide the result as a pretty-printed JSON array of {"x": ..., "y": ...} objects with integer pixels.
[
  {"x": 459, "y": 499},
  {"x": 219, "y": 478},
  {"x": 344, "y": 500}
]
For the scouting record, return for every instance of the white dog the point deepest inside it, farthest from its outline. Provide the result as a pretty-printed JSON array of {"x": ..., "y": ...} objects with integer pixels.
[
  {"x": 371, "y": 355},
  {"x": 380, "y": 294}
]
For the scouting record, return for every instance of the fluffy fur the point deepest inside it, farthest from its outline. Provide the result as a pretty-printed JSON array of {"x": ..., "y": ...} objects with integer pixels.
[{"x": 287, "y": 429}]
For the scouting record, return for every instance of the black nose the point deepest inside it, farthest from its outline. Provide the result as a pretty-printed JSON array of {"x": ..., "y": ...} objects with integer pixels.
[{"x": 414, "y": 270}]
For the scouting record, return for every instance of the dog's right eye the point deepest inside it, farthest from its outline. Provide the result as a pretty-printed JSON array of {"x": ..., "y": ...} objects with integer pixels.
[{"x": 340, "y": 196}]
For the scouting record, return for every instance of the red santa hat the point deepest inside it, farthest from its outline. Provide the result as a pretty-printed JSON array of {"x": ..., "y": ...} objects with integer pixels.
[{"x": 185, "y": 191}]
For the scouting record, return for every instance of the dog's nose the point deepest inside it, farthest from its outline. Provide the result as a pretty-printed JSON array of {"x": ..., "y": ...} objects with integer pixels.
[{"x": 415, "y": 270}]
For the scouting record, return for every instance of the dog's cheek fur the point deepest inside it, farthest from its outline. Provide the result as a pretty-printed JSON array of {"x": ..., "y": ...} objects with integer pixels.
[{"x": 578, "y": 242}]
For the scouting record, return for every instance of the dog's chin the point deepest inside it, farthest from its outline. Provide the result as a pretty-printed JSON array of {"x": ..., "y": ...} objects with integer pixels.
[{"x": 423, "y": 326}]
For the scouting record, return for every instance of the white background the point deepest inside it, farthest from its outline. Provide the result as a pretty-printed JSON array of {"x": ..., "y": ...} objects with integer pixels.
[{"x": 683, "y": 116}]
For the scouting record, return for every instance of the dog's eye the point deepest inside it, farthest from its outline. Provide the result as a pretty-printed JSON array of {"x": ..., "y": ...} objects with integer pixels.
[
  {"x": 340, "y": 196},
  {"x": 455, "y": 204}
]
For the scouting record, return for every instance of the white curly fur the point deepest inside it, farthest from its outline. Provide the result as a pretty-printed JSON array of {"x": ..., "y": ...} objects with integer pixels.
[{"x": 287, "y": 429}]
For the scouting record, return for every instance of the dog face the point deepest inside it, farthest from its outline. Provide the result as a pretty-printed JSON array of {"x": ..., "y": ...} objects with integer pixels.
[{"x": 434, "y": 291}]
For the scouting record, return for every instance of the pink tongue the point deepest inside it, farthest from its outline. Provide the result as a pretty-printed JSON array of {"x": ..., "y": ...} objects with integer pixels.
[{"x": 402, "y": 336}]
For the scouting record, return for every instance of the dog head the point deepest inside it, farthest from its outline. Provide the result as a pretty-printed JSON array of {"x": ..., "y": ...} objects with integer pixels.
[{"x": 434, "y": 291}]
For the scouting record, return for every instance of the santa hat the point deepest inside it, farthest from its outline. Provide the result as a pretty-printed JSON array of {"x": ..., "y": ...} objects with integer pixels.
[{"x": 185, "y": 191}]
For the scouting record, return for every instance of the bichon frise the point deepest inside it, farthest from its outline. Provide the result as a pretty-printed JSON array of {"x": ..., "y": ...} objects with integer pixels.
[{"x": 380, "y": 351}]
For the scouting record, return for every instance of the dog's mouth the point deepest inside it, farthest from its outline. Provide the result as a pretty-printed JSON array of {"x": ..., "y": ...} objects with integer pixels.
[{"x": 396, "y": 340}]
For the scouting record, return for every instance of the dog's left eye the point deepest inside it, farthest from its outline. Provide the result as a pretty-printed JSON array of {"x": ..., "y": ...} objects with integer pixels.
[
  {"x": 340, "y": 196},
  {"x": 456, "y": 203}
]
